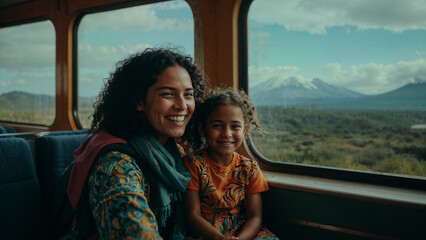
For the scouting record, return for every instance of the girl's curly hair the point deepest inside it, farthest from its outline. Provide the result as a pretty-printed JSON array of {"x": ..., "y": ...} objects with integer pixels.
[
  {"x": 115, "y": 108},
  {"x": 220, "y": 97}
]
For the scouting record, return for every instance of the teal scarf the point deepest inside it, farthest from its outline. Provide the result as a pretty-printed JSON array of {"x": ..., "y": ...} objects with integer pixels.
[{"x": 168, "y": 176}]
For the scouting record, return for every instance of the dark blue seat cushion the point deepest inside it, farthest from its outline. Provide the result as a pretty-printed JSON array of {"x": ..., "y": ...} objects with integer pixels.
[
  {"x": 7, "y": 130},
  {"x": 2, "y": 130},
  {"x": 10, "y": 129},
  {"x": 54, "y": 152},
  {"x": 20, "y": 196},
  {"x": 70, "y": 132}
]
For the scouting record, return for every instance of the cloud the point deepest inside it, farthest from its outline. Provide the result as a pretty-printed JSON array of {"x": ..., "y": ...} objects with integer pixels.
[
  {"x": 91, "y": 83},
  {"x": 105, "y": 57},
  {"x": 258, "y": 38},
  {"x": 375, "y": 78},
  {"x": 28, "y": 48},
  {"x": 140, "y": 18},
  {"x": 132, "y": 48},
  {"x": 5, "y": 83},
  {"x": 262, "y": 39},
  {"x": 261, "y": 74},
  {"x": 315, "y": 16},
  {"x": 177, "y": 4},
  {"x": 30, "y": 82}
]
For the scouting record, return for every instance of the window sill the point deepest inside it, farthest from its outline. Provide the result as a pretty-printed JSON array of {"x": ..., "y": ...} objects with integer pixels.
[{"x": 352, "y": 190}]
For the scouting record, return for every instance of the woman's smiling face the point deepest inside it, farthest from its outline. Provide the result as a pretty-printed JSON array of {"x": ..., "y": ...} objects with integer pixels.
[{"x": 169, "y": 103}]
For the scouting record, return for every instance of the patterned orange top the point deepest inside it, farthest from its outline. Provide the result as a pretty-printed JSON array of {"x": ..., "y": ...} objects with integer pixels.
[{"x": 223, "y": 190}]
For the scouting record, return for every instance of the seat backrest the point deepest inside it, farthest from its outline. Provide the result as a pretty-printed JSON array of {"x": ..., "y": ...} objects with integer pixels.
[
  {"x": 7, "y": 129},
  {"x": 20, "y": 195},
  {"x": 70, "y": 132},
  {"x": 10, "y": 129},
  {"x": 53, "y": 153}
]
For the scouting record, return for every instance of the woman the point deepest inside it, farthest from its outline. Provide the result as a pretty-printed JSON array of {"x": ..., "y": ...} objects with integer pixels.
[{"x": 147, "y": 103}]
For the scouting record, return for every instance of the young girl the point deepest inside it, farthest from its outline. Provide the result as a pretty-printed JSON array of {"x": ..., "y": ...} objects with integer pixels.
[{"x": 223, "y": 198}]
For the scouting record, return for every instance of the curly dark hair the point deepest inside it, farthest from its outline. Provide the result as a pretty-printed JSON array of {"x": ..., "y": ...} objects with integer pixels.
[
  {"x": 115, "y": 108},
  {"x": 219, "y": 97}
]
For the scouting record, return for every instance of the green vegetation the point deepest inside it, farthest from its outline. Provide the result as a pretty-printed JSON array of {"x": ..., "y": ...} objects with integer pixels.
[
  {"x": 85, "y": 117},
  {"x": 380, "y": 141},
  {"x": 27, "y": 108},
  {"x": 23, "y": 107},
  {"x": 41, "y": 117}
]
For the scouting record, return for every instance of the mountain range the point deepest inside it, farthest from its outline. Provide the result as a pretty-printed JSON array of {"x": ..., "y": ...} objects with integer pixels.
[
  {"x": 298, "y": 92},
  {"x": 288, "y": 92}
]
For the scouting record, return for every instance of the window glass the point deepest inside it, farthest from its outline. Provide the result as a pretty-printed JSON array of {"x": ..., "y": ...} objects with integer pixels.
[
  {"x": 108, "y": 37},
  {"x": 340, "y": 83},
  {"x": 27, "y": 73}
]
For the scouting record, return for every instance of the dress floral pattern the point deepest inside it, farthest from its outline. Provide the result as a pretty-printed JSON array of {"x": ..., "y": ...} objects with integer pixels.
[{"x": 223, "y": 190}]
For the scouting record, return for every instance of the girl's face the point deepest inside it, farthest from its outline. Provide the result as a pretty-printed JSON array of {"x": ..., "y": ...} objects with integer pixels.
[
  {"x": 224, "y": 131},
  {"x": 169, "y": 103}
]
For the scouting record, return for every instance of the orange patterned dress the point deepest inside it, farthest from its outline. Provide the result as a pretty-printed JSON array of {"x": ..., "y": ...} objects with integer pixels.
[{"x": 223, "y": 190}]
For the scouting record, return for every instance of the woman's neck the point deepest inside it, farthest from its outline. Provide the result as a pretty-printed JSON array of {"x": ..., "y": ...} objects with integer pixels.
[{"x": 162, "y": 139}]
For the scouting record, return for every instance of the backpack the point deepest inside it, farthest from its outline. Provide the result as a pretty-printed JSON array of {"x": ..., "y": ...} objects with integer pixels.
[{"x": 62, "y": 213}]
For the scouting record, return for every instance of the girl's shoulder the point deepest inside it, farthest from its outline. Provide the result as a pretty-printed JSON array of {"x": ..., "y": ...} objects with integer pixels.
[
  {"x": 196, "y": 157},
  {"x": 245, "y": 161}
]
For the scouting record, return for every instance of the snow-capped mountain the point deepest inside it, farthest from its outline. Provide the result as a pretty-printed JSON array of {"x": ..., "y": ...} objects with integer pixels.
[
  {"x": 296, "y": 91},
  {"x": 284, "y": 91}
]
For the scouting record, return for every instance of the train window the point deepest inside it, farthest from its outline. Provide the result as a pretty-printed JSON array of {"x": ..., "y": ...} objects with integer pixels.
[
  {"x": 340, "y": 85},
  {"x": 27, "y": 73},
  {"x": 105, "y": 38}
]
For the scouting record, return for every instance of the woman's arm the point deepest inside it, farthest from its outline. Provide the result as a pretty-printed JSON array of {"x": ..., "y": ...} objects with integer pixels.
[
  {"x": 254, "y": 217},
  {"x": 118, "y": 200},
  {"x": 196, "y": 222}
]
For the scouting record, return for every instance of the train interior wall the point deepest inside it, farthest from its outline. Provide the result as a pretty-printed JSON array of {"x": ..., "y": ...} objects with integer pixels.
[{"x": 295, "y": 214}]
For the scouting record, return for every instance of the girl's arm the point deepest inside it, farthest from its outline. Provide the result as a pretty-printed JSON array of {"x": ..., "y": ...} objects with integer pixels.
[
  {"x": 196, "y": 222},
  {"x": 251, "y": 227}
]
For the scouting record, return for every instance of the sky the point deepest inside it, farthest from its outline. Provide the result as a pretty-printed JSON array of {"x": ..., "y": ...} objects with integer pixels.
[
  {"x": 27, "y": 52},
  {"x": 368, "y": 46},
  {"x": 106, "y": 38}
]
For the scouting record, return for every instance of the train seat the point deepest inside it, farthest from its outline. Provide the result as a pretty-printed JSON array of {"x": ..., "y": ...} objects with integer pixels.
[
  {"x": 53, "y": 153},
  {"x": 10, "y": 129},
  {"x": 70, "y": 132},
  {"x": 7, "y": 129},
  {"x": 20, "y": 195}
]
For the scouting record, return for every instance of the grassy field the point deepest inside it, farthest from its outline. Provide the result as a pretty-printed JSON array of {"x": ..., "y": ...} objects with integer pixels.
[{"x": 380, "y": 141}]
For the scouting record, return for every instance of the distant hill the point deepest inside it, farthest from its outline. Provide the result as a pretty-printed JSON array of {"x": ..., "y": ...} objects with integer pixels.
[
  {"x": 297, "y": 92},
  {"x": 34, "y": 102},
  {"x": 288, "y": 92},
  {"x": 26, "y": 101},
  {"x": 409, "y": 97}
]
